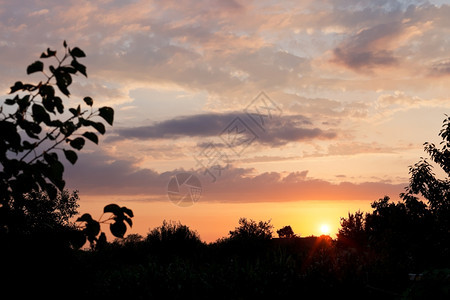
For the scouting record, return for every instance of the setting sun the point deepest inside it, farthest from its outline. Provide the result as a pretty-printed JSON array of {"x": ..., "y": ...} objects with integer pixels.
[{"x": 325, "y": 229}]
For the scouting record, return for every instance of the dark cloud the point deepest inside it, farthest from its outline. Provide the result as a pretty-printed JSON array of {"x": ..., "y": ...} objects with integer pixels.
[
  {"x": 357, "y": 59},
  {"x": 278, "y": 130},
  {"x": 99, "y": 173},
  {"x": 366, "y": 48}
]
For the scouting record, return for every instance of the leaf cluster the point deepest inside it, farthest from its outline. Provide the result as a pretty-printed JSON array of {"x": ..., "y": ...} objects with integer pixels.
[
  {"x": 37, "y": 129},
  {"x": 91, "y": 228}
]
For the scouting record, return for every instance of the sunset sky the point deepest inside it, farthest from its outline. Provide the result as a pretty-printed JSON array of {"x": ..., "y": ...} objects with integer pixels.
[{"x": 354, "y": 89}]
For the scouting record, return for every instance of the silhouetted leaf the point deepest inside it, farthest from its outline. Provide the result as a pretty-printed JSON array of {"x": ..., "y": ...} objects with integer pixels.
[
  {"x": 71, "y": 156},
  {"x": 30, "y": 87},
  {"x": 73, "y": 111},
  {"x": 49, "y": 104},
  {"x": 79, "y": 67},
  {"x": 16, "y": 87},
  {"x": 91, "y": 136},
  {"x": 85, "y": 218},
  {"x": 69, "y": 70},
  {"x": 67, "y": 128},
  {"x": 37, "y": 66},
  {"x": 100, "y": 127},
  {"x": 31, "y": 128},
  {"x": 92, "y": 230},
  {"x": 112, "y": 208},
  {"x": 39, "y": 114},
  {"x": 107, "y": 113},
  {"x": 23, "y": 102},
  {"x": 129, "y": 221},
  {"x": 63, "y": 80},
  {"x": 88, "y": 101},
  {"x": 118, "y": 229},
  {"x": 50, "y": 157},
  {"x": 77, "y": 143},
  {"x": 47, "y": 91},
  {"x": 65, "y": 44},
  {"x": 58, "y": 104},
  {"x": 97, "y": 125},
  {"x": 77, "y": 52},
  {"x": 49, "y": 53},
  {"x": 128, "y": 211},
  {"x": 63, "y": 88},
  {"x": 10, "y": 102}
]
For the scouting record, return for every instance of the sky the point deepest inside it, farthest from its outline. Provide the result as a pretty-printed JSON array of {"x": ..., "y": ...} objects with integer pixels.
[{"x": 293, "y": 111}]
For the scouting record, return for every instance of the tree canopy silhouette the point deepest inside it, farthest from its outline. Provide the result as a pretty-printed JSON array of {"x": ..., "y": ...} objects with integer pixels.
[
  {"x": 414, "y": 233},
  {"x": 250, "y": 229},
  {"x": 285, "y": 232}
]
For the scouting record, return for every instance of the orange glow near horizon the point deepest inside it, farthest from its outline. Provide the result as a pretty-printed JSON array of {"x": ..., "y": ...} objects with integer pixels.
[
  {"x": 214, "y": 220},
  {"x": 325, "y": 229}
]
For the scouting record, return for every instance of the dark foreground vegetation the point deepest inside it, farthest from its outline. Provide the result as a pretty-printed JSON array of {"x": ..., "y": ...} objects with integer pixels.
[
  {"x": 171, "y": 262},
  {"x": 400, "y": 250}
]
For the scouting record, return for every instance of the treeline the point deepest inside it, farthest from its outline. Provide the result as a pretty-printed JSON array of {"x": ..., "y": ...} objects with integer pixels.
[{"x": 172, "y": 262}]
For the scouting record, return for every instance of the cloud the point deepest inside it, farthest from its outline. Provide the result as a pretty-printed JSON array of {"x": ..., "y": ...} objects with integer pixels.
[
  {"x": 385, "y": 35},
  {"x": 398, "y": 98},
  {"x": 441, "y": 68},
  {"x": 328, "y": 110},
  {"x": 280, "y": 130},
  {"x": 99, "y": 174},
  {"x": 224, "y": 47},
  {"x": 388, "y": 105},
  {"x": 366, "y": 48}
]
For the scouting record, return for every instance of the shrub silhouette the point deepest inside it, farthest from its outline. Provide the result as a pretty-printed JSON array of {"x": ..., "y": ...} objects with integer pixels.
[{"x": 173, "y": 238}]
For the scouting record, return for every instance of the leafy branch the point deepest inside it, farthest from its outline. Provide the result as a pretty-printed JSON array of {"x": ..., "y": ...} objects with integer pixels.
[
  {"x": 35, "y": 127},
  {"x": 91, "y": 227}
]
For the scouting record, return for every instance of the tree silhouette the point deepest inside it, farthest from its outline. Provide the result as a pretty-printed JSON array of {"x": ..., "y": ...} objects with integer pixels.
[
  {"x": 250, "y": 229},
  {"x": 285, "y": 232},
  {"x": 425, "y": 184},
  {"x": 413, "y": 234},
  {"x": 352, "y": 231},
  {"x": 41, "y": 213}
]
